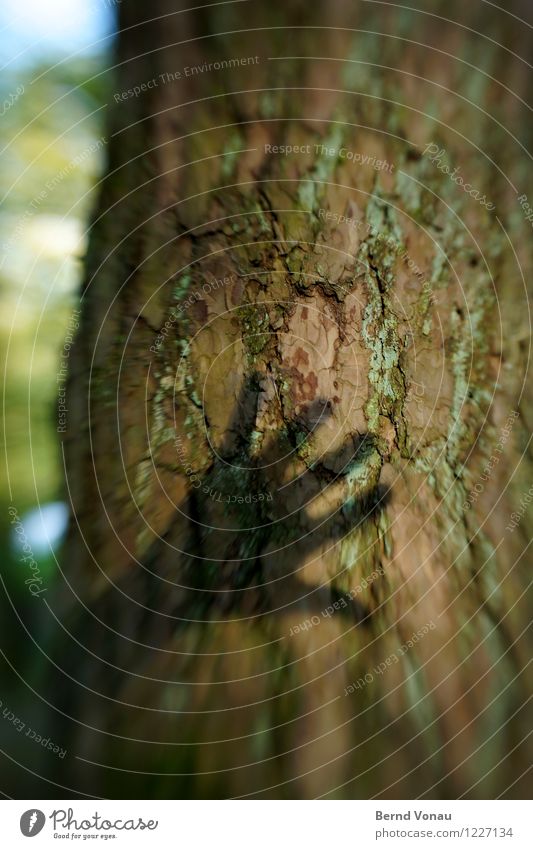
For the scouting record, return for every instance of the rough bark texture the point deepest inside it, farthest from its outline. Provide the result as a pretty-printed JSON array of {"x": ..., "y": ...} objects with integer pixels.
[{"x": 308, "y": 360}]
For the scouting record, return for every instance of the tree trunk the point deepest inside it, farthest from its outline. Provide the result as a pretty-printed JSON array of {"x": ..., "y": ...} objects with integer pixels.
[{"x": 299, "y": 419}]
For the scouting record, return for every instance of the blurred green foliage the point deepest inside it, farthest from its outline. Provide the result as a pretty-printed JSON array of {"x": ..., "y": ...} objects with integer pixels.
[{"x": 52, "y": 118}]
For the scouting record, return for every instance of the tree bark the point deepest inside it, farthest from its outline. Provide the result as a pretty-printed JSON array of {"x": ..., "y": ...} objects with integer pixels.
[{"x": 288, "y": 572}]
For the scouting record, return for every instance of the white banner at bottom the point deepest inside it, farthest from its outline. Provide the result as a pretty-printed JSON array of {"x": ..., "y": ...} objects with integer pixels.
[{"x": 267, "y": 824}]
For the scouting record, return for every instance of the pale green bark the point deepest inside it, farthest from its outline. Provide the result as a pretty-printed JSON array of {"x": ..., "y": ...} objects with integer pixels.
[{"x": 316, "y": 311}]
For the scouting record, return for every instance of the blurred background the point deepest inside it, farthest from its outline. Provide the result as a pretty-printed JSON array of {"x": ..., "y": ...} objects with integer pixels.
[{"x": 53, "y": 101}]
